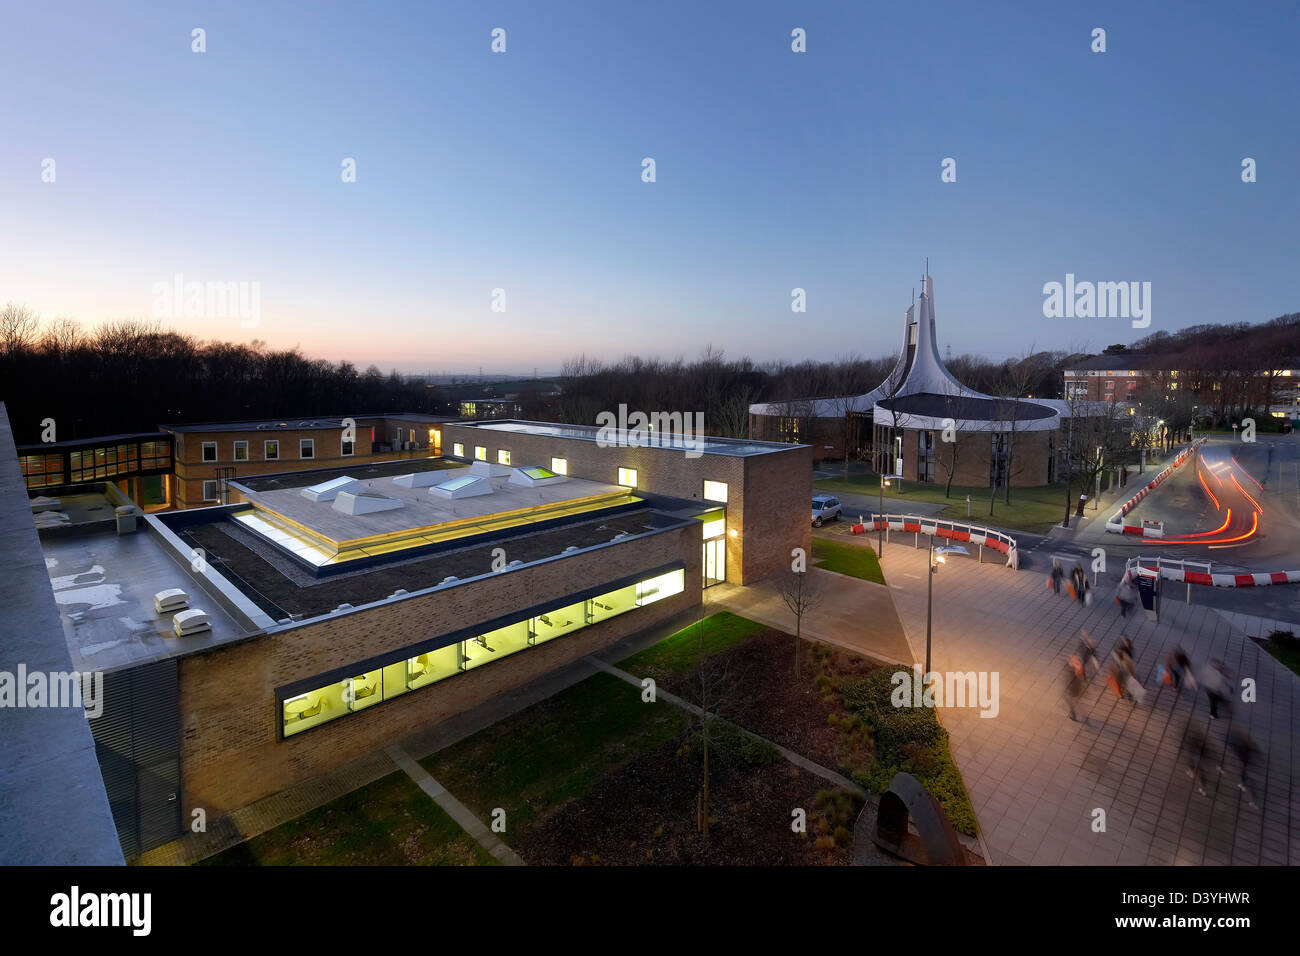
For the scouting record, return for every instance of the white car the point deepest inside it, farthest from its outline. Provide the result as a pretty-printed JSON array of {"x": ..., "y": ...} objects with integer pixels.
[{"x": 825, "y": 508}]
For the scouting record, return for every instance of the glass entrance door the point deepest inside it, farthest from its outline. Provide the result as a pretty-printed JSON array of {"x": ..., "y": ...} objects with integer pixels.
[{"x": 715, "y": 561}]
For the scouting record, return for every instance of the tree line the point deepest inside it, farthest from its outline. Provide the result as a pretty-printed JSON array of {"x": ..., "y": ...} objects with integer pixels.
[{"x": 132, "y": 376}]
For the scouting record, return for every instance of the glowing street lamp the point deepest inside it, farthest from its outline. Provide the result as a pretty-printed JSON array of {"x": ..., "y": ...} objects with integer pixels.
[
  {"x": 880, "y": 510},
  {"x": 936, "y": 559}
]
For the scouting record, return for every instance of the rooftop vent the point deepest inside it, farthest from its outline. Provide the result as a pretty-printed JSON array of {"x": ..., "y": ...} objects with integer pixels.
[
  {"x": 449, "y": 578},
  {"x": 399, "y": 592},
  {"x": 191, "y": 622},
  {"x": 343, "y": 607}
]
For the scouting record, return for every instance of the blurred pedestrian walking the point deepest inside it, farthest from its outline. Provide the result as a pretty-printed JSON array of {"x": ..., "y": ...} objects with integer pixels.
[
  {"x": 1087, "y": 653},
  {"x": 1215, "y": 679},
  {"x": 1126, "y": 595},
  {"x": 1241, "y": 744},
  {"x": 1075, "y": 682},
  {"x": 1196, "y": 747}
]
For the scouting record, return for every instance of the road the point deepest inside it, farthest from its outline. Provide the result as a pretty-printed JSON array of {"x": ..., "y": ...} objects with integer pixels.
[{"x": 1236, "y": 506}]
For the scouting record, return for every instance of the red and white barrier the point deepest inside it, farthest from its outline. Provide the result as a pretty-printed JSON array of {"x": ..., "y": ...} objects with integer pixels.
[
  {"x": 940, "y": 528},
  {"x": 1177, "y": 572},
  {"x": 1115, "y": 523}
]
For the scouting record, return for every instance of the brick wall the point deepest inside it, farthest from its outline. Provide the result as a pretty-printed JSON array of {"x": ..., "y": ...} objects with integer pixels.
[
  {"x": 775, "y": 520},
  {"x": 1028, "y": 467},
  {"x": 191, "y": 470},
  {"x": 231, "y": 755}
]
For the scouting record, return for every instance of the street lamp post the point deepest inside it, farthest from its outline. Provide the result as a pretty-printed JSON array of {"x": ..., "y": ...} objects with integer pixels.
[
  {"x": 880, "y": 511},
  {"x": 936, "y": 559},
  {"x": 929, "y": 606}
]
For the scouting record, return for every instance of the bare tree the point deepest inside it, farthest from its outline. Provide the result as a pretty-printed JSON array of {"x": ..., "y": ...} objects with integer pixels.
[
  {"x": 712, "y": 687},
  {"x": 800, "y": 595},
  {"x": 1018, "y": 378},
  {"x": 17, "y": 328}
]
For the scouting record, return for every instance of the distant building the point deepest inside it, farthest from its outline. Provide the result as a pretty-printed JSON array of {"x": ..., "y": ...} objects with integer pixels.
[
  {"x": 209, "y": 455},
  {"x": 905, "y": 422},
  {"x": 1127, "y": 376}
]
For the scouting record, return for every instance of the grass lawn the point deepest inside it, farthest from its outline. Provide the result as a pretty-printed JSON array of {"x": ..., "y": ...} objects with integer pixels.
[
  {"x": 390, "y": 822},
  {"x": 857, "y": 561},
  {"x": 554, "y": 751},
  {"x": 1285, "y": 647},
  {"x": 677, "y": 653},
  {"x": 1032, "y": 509}
]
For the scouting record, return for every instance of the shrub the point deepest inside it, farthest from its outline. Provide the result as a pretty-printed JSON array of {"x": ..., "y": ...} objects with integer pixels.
[
  {"x": 737, "y": 747},
  {"x": 1285, "y": 639}
]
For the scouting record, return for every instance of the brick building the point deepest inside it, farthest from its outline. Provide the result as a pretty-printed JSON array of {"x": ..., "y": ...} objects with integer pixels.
[
  {"x": 351, "y": 606},
  {"x": 207, "y": 456}
]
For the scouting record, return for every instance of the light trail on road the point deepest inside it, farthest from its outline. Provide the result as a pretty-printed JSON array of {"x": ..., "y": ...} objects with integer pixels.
[{"x": 1231, "y": 534}]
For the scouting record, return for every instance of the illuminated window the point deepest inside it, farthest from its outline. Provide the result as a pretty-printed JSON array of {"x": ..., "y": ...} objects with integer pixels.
[
  {"x": 271, "y": 450},
  {"x": 660, "y": 587},
  {"x": 627, "y": 476},
  {"x": 307, "y": 448},
  {"x": 427, "y": 668},
  {"x": 409, "y": 673},
  {"x": 241, "y": 451},
  {"x": 458, "y": 450},
  {"x": 560, "y": 466},
  {"x": 495, "y": 645},
  {"x": 503, "y": 456},
  {"x": 715, "y": 527},
  {"x": 562, "y": 621},
  {"x": 715, "y": 490},
  {"x": 612, "y": 604},
  {"x": 480, "y": 452},
  {"x": 209, "y": 451}
]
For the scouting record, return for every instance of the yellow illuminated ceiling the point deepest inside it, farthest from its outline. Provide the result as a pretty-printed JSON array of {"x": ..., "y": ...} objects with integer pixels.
[{"x": 318, "y": 549}]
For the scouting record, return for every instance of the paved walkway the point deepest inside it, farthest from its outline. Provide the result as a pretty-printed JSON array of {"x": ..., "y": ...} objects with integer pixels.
[
  {"x": 454, "y": 808},
  {"x": 851, "y": 613},
  {"x": 1036, "y": 778}
]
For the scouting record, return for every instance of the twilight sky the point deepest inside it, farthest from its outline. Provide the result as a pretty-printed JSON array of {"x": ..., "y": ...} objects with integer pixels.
[{"x": 522, "y": 171}]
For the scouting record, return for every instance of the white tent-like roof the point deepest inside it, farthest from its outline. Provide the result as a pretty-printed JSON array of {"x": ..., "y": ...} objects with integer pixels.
[{"x": 921, "y": 393}]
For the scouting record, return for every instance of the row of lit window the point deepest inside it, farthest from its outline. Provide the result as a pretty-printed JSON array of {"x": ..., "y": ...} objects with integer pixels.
[
  {"x": 405, "y": 674},
  {"x": 713, "y": 490},
  {"x": 271, "y": 450},
  {"x": 93, "y": 463}
]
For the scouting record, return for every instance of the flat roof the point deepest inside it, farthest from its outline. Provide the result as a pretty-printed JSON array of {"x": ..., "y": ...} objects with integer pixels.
[
  {"x": 53, "y": 806},
  {"x": 265, "y": 425},
  {"x": 320, "y": 534},
  {"x": 104, "y": 585},
  {"x": 281, "y": 588},
  {"x": 301, "y": 422},
  {"x": 709, "y": 444},
  {"x": 362, "y": 471}
]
